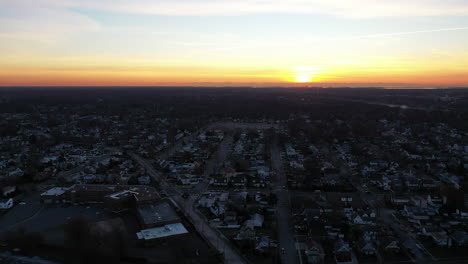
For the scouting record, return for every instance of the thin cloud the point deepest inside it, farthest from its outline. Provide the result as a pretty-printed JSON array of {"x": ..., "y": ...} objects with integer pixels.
[
  {"x": 413, "y": 32},
  {"x": 321, "y": 39},
  {"x": 339, "y": 8},
  {"x": 43, "y": 21}
]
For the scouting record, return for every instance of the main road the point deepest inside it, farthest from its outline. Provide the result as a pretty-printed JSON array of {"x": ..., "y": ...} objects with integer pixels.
[
  {"x": 187, "y": 206},
  {"x": 283, "y": 210}
]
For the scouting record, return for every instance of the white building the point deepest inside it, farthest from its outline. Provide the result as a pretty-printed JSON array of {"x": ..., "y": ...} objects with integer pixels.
[{"x": 162, "y": 232}]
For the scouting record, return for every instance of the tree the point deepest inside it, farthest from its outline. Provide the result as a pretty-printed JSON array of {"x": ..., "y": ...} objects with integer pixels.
[
  {"x": 89, "y": 245},
  {"x": 272, "y": 199},
  {"x": 252, "y": 134},
  {"x": 77, "y": 231},
  {"x": 312, "y": 167},
  {"x": 241, "y": 164},
  {"x": 26, "y": 241},
  {"x": 171, "y": 134}
]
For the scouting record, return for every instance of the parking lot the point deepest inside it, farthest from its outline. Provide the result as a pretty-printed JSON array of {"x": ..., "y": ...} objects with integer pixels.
[{"x": 34, "y": 216}]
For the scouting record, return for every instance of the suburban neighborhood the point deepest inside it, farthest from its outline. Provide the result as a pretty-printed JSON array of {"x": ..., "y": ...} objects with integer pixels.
[{"x": 86, "y": 183}]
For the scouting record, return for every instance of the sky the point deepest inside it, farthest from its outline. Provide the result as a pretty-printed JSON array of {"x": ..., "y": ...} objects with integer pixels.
[{"x": 227, "y": 42}]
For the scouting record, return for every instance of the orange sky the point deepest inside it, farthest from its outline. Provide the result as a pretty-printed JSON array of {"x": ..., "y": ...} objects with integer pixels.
[
  {"x": 151, "y": 43},
  {"x": 101, "y": 76}
]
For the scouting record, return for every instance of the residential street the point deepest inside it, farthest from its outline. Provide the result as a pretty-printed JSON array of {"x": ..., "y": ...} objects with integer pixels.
[
  {"x": 231, "y": 255},
  {"x": 386, "y": 215},
  {"x": 419, "y": 254}
]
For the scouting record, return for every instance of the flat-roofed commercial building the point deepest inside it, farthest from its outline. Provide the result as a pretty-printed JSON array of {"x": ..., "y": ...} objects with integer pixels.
[
  {"x": 115, "y": 197},
  {"x": 152, "y": 236},
  {"x": 157, "y": 214}
]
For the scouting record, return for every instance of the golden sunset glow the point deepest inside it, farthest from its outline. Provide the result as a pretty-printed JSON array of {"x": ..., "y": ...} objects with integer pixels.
[
  {"x": 154, "y": 43},
  {"x": 302, "y": 79},
  {"x": 305, "y": 74}
]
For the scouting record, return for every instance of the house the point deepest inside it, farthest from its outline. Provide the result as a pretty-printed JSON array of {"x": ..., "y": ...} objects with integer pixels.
[
  {"x": 296, "y": 165},
  {"x": 187, "y": 179},
  {"x": 459, "y": 238},
  {"x": 8, "y": 190},
  {"x": 429, "y": 184},
  {"x": 220, "y": 181},
  {"x": 245, "y": 234},
  {"x": 311, "y": 214},
  {"x": 263, "y": 172},
  {"x": 392, "y": 247},
  {"x": 214, "y": 201},
  {"x": 230, "y": 218},
  {"x": 415, "y": 213},
  {"x": 436, "y": 201},
  {"x": 313, "y": 149},
  {"x": 431, "y": 229},
  {"x": 6, "y": 204},
  {"x": 144, "y": 180},
  {"x": 357, "y": 220},
  {"x": 400, "y": 201},
  {"x": 55, "y": 194},
  {"x": 217, "y": 209},
  {"x": 239, "y": 181},
  {"x": 370, "y": 233},
  {"x": 347, "y": 201},
  {"x": 343, "y": 252},
  {"x": 258, "y": 183},
  {"x": 441, "y": 239},
  {"x": 327, "y": 167},
  {"x": 256, "y": 221},
  {"x": 239, "y": 198},
  {"x": 368, "y": 249},
  {"x": 261, "y": 198},
  {"x": 229, "y": 172},
  {"x": 16, "y": 173},
  {"x": 290, "y": 151},
  {"x": 419, "y": 201},
  {"x": 263, "y": 244},
  {"x": 362, "y": 217},
  {"x": 312, "y": 251},
  {"x": 314, "y": 255}
]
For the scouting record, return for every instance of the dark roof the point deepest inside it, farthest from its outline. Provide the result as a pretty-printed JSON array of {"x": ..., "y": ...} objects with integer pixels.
[
  {"x": 157, "y": 214},
  {"x": 335, "y": 199}
]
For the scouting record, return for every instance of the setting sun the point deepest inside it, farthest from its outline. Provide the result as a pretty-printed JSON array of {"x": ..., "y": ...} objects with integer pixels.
[
  {"x": 303, "y": 78},
  {"x": 305, "y": 74}
]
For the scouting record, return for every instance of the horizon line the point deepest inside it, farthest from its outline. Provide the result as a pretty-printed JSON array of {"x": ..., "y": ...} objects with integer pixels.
[{"x": 422, "y": 87}]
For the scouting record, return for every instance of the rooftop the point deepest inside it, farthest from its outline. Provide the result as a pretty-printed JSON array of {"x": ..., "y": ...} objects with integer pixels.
[
  {"x": 141, "y": 192},
  {"x": 160, "y": 232},
  {"x": 157, "y": 213},
  {"x": 56, "y": 191}
]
